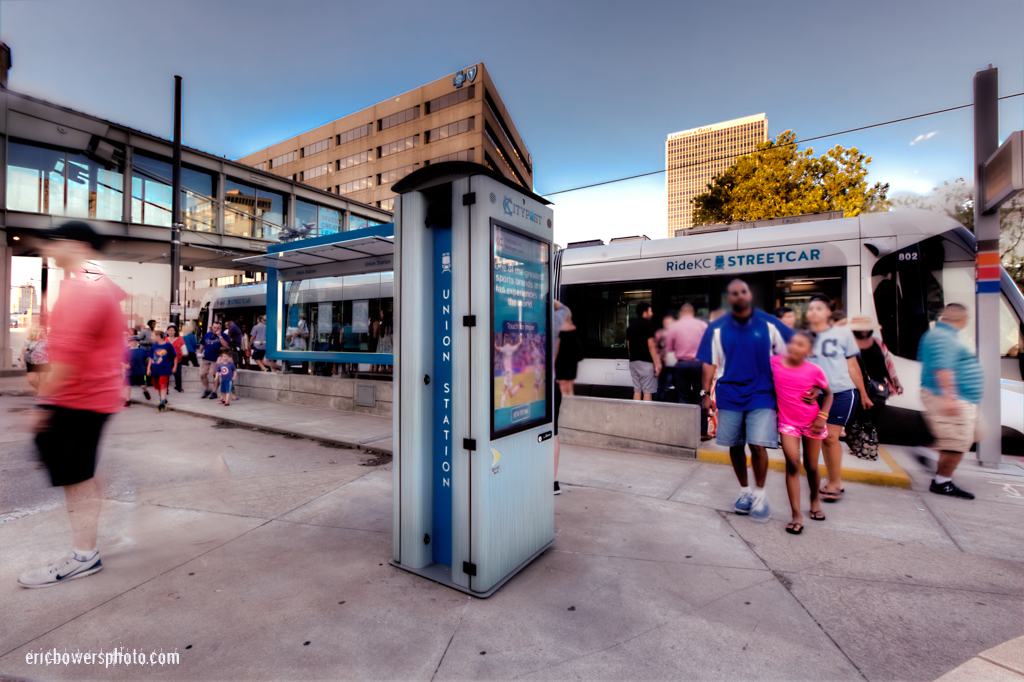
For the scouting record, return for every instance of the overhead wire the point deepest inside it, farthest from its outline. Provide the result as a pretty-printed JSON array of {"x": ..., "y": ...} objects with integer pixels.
[{"x": 788, "y": 144}]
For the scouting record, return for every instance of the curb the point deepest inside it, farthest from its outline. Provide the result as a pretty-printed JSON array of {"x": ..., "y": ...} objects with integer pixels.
[
  {"x": 896, "y": 477},
  {"x": 365, "y": 446}
]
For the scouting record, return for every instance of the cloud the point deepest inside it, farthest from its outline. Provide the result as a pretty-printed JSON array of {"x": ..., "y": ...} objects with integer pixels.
[{"x": 922, "y": 138}]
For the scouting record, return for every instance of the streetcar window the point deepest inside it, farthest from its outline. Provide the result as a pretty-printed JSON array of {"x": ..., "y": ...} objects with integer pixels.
[
  {"x": 602, "y": 311},
  {"x": 912, "y": 285}
]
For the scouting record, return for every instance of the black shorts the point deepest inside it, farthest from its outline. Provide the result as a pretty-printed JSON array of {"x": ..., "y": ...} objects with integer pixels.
[
  {"x": 136, "y": 380},
  {"x": 41, "y": 367},
  {"x": 68, "y": 444},
  {"x": 259, "y": 354},
  {"x": 558, "y": 405}
]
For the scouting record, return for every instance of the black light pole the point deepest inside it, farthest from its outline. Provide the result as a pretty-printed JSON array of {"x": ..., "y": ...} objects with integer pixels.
[{"x": 176, "y": 225}]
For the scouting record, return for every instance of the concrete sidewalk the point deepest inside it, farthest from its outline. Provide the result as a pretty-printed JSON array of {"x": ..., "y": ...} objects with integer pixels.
[
  {"x": 350, "y": 429},
  {"x": 260, "y": 556},
  {"x": 372, "y": 433}
]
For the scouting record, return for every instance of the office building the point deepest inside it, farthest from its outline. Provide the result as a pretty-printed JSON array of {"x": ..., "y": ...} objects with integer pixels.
[
  {"x": 26, "y": 299},
  {"x": 694, "y": 157},
  {"x": 360, "y": 156}
]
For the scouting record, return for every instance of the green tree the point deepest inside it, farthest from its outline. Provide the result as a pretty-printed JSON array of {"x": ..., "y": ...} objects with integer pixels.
[{"x": 781, "y": 180}]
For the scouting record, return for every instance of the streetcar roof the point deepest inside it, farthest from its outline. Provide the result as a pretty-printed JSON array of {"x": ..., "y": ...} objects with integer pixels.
[{"x": 911, "y": 225}]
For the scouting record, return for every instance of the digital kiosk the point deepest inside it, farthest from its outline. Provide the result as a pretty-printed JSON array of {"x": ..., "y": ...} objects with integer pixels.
[{"x": 473, "y": 422}]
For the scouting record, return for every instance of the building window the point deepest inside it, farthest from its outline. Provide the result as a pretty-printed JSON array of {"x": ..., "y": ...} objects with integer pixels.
[
  {"x": 493, "y": 108},
  {"x": 262, "y": 166},
  {"x": 252, "y": 212},
  {"x": 393, "y": 176},
  {"x": 316, "y": 171},
  {"x": 489, "y": 162},
  {"x": 316, "y": 147},
  {"x": 398, "y": 146},
  {"x": 452, "y": 129},
  {"x": 354, "y": 160},
  {"x": 354, "y": 185},
  {"x": 399, "y": 118},
  {"x": 464, "y": 155},
  {"x": 151, "y": 194},
  {"x": 356, "y": 222},
  {"x": 283, "y": 159},
  {"x": 387, "y": 204},
  {"x": 42, "y": 180},
  {"x": 502, "y": 153},
  {"x": 354, "y": 134},
  {"x": 451, "y": 99},
  {"x": 312, "y": 220}
]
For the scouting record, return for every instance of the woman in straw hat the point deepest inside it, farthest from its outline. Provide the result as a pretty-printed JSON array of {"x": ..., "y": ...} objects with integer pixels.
[{"x": 880, "y": 381}]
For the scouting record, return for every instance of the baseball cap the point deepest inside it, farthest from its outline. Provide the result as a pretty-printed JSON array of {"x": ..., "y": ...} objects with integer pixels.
[{"x": 77, "y": 231}]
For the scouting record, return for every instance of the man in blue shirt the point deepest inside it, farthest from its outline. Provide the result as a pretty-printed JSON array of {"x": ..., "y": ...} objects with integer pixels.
[
  {"x": 737, "y": 348},
  {"x": 213, "y": 341},
  {"x": 952, "y": 383}
]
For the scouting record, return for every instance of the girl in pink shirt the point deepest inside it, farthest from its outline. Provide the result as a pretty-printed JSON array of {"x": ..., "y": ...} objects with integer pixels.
[{"x": 799, "y": 420}]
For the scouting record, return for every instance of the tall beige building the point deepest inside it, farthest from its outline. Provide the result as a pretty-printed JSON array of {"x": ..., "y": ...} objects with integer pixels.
[
  {"x": 457, "y": 118},
  {"x": 694, "y": 157}
]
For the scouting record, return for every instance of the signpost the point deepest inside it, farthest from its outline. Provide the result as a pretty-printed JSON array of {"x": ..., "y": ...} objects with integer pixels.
[
  {"x": 998, "y": 177},
  {"x": 176, "y": 226}
]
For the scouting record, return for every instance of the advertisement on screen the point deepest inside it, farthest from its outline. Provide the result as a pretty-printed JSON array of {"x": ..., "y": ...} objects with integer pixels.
[{"x": 521, "y": 343}]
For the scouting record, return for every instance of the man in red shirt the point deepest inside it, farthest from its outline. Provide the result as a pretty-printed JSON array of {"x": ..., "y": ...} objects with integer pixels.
[{"x": 86, "y": 345}]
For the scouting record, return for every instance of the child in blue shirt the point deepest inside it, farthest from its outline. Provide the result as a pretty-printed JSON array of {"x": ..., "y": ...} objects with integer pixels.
[
  {"x": 136, "y": 363},
  {"x": 225, "y": 375},
  {"x": 163, "y": 360}
]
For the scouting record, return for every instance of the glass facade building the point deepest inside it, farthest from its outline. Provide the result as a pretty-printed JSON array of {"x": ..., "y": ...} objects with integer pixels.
[
  {"x": 86, "y": 176},
  {"x": 694, "y": 157}
]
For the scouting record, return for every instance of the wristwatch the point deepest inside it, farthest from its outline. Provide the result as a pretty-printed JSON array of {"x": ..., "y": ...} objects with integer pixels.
[{"x": 703, "y": 393}]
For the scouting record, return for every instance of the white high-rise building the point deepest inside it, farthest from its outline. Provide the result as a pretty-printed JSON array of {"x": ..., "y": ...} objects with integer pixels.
[{"x": 694, "y": 157}]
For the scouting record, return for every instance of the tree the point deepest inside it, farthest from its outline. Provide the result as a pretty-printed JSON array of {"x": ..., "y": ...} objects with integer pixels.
[
  {"x": 780, "y": 180},
  {"x": 956, "y": 199}
]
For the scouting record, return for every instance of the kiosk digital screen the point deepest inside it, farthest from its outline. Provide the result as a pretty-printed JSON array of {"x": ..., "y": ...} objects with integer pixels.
[{"x": 520, "y": 323}]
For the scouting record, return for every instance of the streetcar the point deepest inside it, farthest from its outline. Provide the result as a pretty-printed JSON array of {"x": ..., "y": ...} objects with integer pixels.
[{"x": 899, "y": 267}]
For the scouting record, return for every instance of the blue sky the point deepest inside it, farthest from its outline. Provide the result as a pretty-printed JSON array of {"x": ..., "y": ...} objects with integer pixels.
[{"x": 594, "y": 87}]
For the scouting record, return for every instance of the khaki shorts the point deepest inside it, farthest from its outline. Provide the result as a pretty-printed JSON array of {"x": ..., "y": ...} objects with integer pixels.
[
  {"x": 208, "y": 368},
  {"x": 950, "y": 432}
]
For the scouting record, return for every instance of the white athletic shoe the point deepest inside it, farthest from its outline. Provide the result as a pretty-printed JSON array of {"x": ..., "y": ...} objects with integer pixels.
[
  {"x": 760, "y": 511},
  {"x": 66, "y": 569}
]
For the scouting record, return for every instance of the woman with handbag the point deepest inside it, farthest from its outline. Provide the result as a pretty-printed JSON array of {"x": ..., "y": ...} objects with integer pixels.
[{"x": 880, "y": 381}]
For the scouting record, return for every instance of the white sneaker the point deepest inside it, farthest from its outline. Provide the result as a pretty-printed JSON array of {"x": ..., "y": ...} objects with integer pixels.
[
  {"x": 760, "y": 512},
  {"x": 61, "y": 571}
]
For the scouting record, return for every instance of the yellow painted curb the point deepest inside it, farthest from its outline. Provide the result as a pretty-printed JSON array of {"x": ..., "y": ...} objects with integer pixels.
[{"x": 896, "y": 478}]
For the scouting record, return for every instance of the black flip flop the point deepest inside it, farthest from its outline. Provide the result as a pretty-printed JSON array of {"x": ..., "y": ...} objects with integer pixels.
[
  {"x": 795, "y": 528},
  {"x": 830, "y": 497},
  {"x": 817, "y": 516}
]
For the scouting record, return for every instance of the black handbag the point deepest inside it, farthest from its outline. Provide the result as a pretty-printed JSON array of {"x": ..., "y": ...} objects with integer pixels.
[{"x": 878, "y": 391}]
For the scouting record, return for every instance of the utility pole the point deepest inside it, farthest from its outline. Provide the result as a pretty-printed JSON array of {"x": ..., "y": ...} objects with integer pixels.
[
  {"x": 986, "y": 239},
  {"x": 176, "y": 225}
]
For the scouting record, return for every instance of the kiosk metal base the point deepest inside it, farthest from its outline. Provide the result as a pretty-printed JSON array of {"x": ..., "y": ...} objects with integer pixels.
[{"x": 442, "y": 574}]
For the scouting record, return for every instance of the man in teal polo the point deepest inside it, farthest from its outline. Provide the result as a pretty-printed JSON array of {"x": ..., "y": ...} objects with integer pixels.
[{"x": 952, "y": 383}]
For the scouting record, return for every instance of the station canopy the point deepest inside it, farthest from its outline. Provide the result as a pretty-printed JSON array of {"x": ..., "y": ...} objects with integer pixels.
[{"x": 347, "y": 252}]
